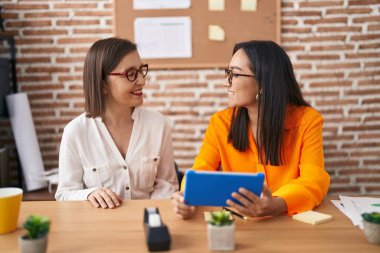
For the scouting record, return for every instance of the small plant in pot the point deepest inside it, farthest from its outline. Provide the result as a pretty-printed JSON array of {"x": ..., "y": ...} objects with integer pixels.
[
  {"x": 221, "y": 231},
  {"x": 35, "y": 241},
  {"x": 372, "y": 227}
]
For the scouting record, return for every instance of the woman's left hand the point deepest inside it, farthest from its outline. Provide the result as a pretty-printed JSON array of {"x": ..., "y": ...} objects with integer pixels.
[{"x": 255, "y": 206}]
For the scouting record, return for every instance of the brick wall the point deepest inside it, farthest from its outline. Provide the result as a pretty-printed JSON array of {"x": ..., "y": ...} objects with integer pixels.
[{"x": 334, "y": 46}]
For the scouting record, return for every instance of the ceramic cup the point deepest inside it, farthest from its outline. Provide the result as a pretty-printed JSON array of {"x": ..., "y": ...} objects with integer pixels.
[{"x": 10, "y": 202}]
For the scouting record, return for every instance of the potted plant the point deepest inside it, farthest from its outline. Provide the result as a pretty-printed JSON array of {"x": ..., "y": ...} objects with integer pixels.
[
  {"x": 35, "y": 241},
  {"x": 372, "y": 227},
  {"x": 221, "y": 231}
]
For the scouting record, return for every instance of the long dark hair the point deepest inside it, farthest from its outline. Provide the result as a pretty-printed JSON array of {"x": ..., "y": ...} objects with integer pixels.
[
  {"x": 102, "y": 58},
  {"x": 278, "y": 88}
]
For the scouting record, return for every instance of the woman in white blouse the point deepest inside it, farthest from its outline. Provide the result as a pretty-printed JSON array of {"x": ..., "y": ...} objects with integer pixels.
[{"x": 115, "y": 150}]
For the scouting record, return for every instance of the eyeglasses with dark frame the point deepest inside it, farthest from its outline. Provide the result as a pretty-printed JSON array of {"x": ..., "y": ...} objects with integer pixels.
[
  {"x": 132, "y": 73},
  {"x": 229, "y": 74}
]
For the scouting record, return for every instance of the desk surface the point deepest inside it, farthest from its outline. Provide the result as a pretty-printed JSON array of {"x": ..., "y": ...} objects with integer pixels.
[{"x": 78, "y": 227}]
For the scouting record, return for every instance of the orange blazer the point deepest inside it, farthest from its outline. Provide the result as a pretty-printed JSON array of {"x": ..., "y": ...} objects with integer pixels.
[{"x": 301, "y": 181}]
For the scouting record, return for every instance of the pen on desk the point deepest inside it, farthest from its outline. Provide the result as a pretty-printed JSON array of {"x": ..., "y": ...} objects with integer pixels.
[{"x": 235, "y": 213}]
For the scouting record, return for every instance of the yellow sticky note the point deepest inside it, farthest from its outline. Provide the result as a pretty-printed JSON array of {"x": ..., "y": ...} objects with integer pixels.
[
  {"x": 248, "y": 5},
  {"x": 207, "y": 216},
  {"x": 312, "y": 217},
  {"x": 216, "y": 5},
  {"x": 216, "y": 33}
]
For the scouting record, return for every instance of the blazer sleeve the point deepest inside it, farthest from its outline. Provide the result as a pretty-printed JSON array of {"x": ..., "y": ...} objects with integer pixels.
[
  {"x": 166, "y": 182},
  {"x": 308, "y": 190}
]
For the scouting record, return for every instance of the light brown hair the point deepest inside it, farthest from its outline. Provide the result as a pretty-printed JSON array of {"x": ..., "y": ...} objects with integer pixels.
[{"x": 101, "y": 59}]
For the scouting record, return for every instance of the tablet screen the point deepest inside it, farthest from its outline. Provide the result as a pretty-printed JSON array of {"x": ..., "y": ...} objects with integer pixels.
[{"x": 205, "y": 188}]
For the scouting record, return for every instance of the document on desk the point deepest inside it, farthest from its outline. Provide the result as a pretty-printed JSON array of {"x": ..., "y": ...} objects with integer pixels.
[{"x": 354, "y": 207}]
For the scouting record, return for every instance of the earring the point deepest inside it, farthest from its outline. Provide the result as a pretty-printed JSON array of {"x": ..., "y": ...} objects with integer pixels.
[{"x": 257, "y": 95}]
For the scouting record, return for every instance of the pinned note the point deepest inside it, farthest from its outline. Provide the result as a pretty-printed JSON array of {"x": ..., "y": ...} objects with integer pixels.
[
  {"x": 216, "y": 33},
  {"x": 160, "y": 4},
  {"x": 216, "y": 5},
  {"x": 248, "y": 5}
]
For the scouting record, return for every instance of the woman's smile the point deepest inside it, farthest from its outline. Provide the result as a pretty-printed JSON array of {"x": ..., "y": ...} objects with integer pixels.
[{"x": 138, "y": 92}]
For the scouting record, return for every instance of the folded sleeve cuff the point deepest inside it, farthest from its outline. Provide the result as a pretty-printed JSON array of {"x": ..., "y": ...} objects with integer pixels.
[{"x": 297, "y": 198}]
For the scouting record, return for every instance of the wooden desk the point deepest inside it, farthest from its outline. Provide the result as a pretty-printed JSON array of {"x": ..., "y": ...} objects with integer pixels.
[{"x": 78, "y": 227}]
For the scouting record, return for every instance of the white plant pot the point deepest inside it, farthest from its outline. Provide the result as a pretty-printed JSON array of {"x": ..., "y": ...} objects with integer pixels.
[
  {"x": 32, "y": 245},
  {"x": 221, "y": 238},
  {"x": 372, "y": 232}
]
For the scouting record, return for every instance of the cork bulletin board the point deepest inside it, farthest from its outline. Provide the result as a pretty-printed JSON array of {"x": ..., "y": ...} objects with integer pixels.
[{"x": 262, "y": 24}]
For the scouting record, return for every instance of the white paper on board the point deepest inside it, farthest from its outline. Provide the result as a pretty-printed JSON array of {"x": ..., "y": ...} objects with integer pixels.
[
  {"x": 163, "y": 37},
  {"x": 160, "y": 4}
]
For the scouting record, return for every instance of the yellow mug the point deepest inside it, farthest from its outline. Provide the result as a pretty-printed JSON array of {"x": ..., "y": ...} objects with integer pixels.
[{"x": 10, "y": 201}]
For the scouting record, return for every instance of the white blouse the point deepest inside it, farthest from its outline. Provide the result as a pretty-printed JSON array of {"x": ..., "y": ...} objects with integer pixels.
[{"x": 89, "y": 159}]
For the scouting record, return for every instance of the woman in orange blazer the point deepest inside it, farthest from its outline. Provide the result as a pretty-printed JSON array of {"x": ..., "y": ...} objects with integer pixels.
[{"x": 267, "y": 128}]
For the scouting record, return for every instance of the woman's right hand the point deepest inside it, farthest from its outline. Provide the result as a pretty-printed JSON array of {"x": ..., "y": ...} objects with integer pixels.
[
  {"x": 182, "y": 210},
  {"x": 105, "y": 198}
]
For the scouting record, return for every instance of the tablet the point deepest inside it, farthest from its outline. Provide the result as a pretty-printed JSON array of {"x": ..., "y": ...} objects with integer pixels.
[{"x": 205, "y": 188}]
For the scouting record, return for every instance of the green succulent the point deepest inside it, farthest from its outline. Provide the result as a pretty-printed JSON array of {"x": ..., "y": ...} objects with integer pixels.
[
  {"x": 220, "y": 218},
  {"x": 37, "y": 226},
  {"x": 373, "y": 217}
]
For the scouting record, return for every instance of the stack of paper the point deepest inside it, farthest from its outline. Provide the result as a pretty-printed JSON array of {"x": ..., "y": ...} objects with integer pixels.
[{"x": 354, "y": 207}]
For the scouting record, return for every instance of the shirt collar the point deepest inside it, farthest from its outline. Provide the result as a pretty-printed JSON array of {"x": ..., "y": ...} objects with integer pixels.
[{"x": 135, "y": 114}]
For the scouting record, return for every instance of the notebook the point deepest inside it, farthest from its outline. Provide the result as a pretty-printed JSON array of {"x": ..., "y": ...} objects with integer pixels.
[
  {"x": 312, "y": 217},
  {"x": 205, "y": 188}
]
